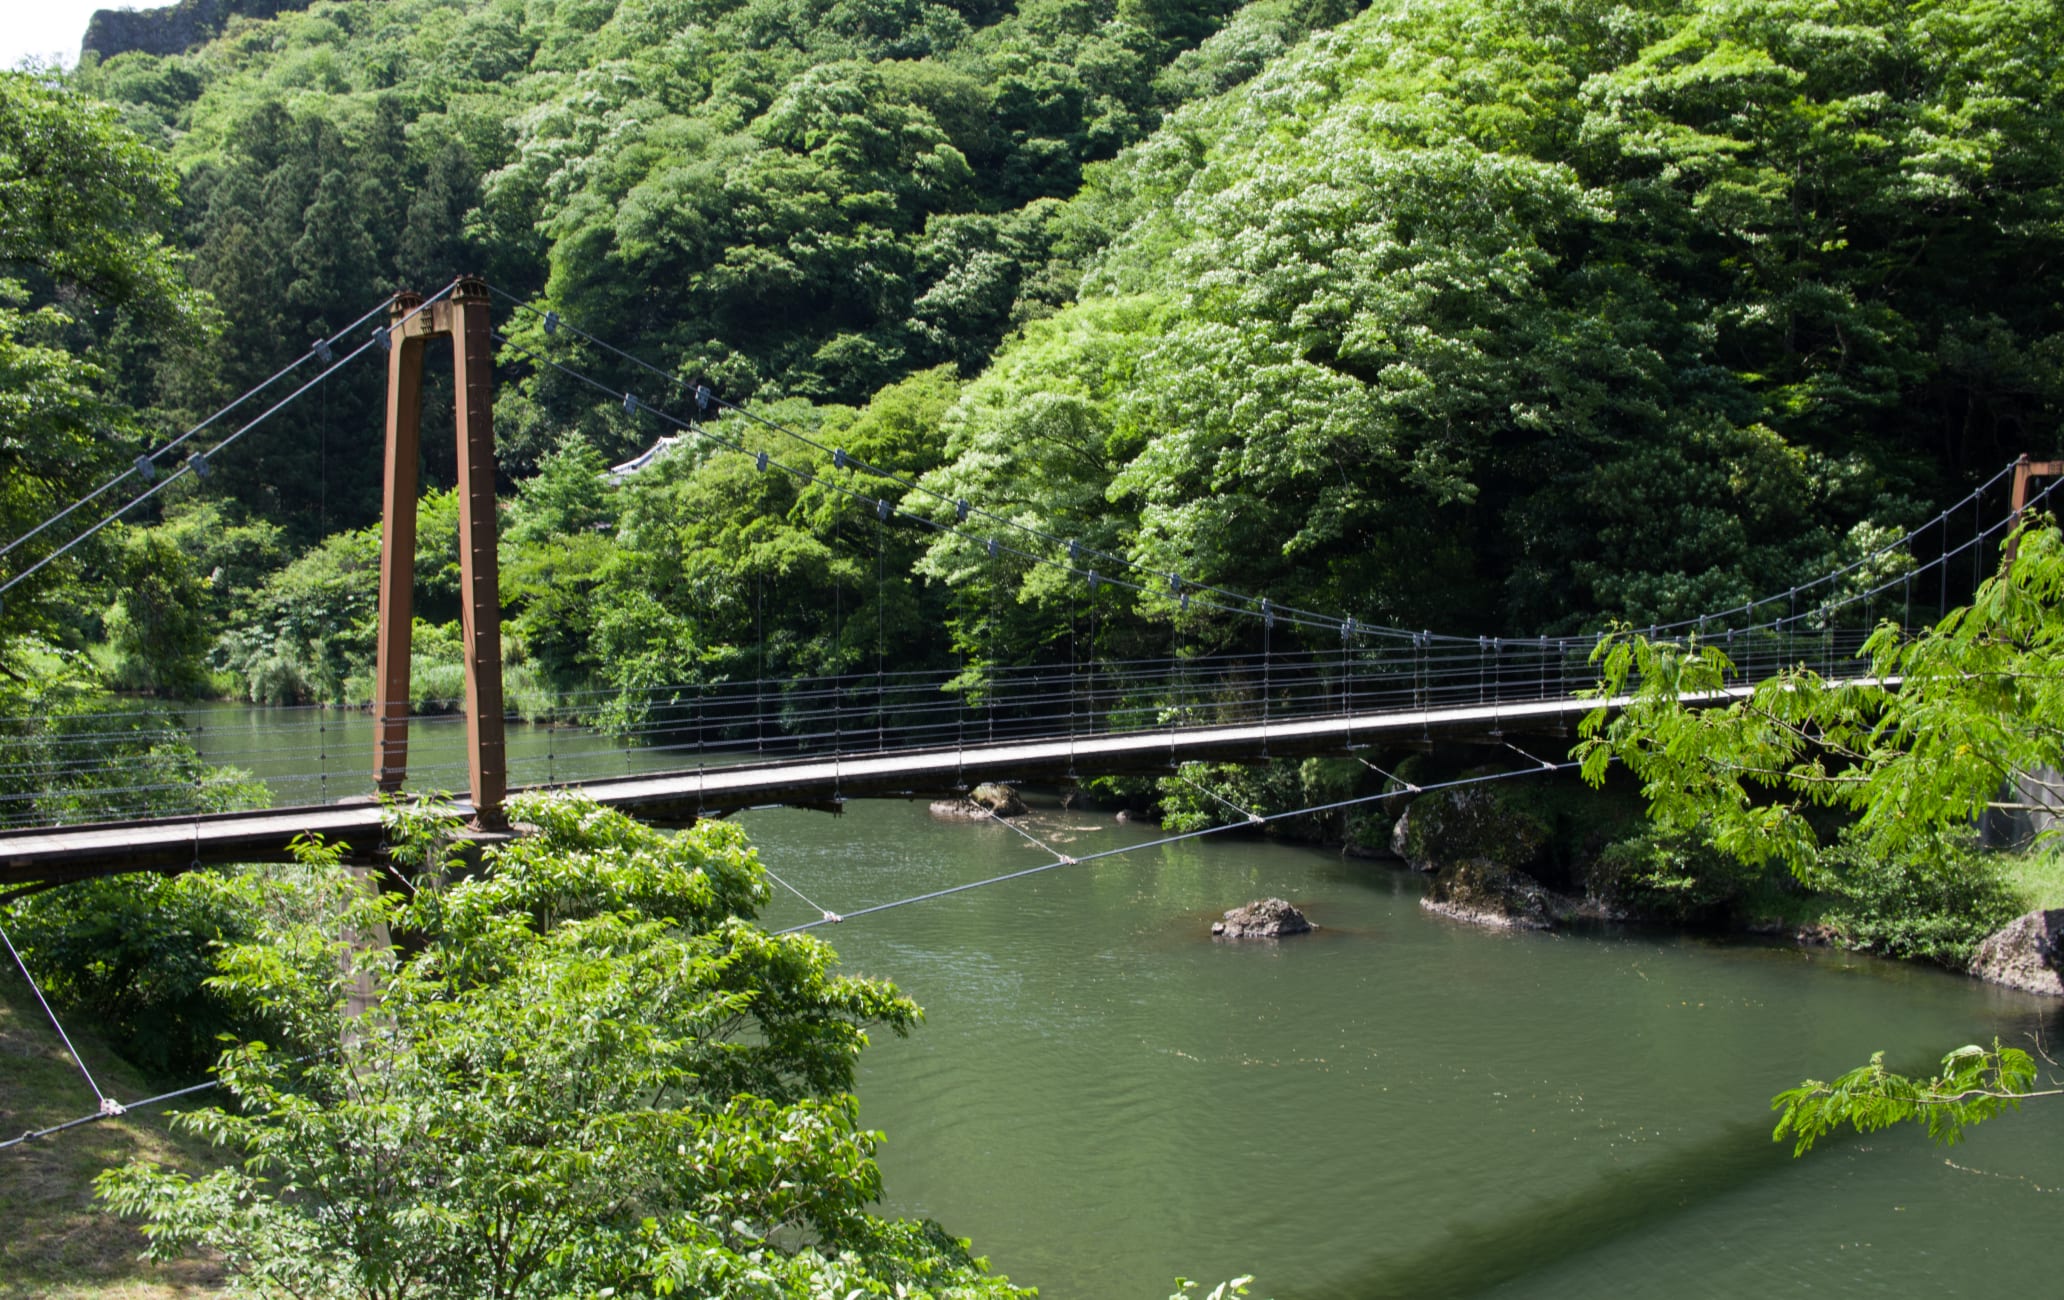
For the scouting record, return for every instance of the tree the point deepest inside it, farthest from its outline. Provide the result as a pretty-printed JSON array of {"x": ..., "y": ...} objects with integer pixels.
[
  {"x": 84, "y": 203},
  {"x": 569, "y": 494},
  {"x": 84, "y": 210},
  {"x": 589, "y": 1070},
  {"x": 1929, "y": 733},
  {"x": 156, "y": 636}
]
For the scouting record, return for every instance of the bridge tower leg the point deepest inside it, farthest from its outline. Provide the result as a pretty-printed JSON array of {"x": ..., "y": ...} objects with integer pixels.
[
  {"x": 2025, "y": 472},
  {"x": 463, "y": 316}
]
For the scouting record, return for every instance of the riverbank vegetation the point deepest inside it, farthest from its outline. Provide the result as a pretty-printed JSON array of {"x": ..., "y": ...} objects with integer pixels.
[
  {"x": 585, "y": 1071},
  {"x": 60, "y": 1242},
  {"x": 1475, "y": 315}
]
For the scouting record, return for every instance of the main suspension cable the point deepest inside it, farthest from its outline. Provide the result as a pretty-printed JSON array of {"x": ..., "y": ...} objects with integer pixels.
[
  {"x": 319, "y": 349},
  {"x": 197, "y": 464}
]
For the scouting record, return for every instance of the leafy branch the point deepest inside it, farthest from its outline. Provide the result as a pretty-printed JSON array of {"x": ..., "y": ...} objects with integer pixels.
[{"x": 1974, "y": 1085}]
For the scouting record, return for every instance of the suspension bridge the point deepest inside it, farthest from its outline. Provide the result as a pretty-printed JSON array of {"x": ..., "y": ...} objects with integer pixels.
[{"x": 86, "y": 794}]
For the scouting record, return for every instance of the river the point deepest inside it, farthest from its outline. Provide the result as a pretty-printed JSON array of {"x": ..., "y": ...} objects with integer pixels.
[{"x": 1103, "y": 1098}]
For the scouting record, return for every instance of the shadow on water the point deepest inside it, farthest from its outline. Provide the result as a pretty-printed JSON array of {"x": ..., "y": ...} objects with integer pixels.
[{"x": 1474, "y": 1257}]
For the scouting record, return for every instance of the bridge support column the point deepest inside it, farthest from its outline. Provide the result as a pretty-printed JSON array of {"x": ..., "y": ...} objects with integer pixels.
[
  {"x": 463, "y": 316},
  {"x": 2025, "y": 472},
  {"x": 397, "y": 549}
]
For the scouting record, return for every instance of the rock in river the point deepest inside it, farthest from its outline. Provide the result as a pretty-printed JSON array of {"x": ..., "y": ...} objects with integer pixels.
[
  {"x": 986, "y": 798},
  {"x": 1486, "y": 893},
  {"x": 1267, "y": 918},
  {"x": 2026, "y": 954}
]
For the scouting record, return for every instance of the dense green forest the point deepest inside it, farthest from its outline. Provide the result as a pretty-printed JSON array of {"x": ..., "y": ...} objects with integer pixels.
[{"x": 1474, "y": 316}]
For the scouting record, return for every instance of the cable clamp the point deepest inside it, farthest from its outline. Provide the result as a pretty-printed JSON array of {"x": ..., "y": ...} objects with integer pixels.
[
  {"x": 630, "y": 404},
  {"x": 881, "y": 509},
  {"x": 551, "y": 323},
  {"x": 146, "y": 468},
  {"x": 760, "y": 462},
  {"x": 833, "y": 917},
  {"x": 198, "y": 463},
  {"x": 109, "y": 1106},
  {"x": 321, "y": 348},
  {"x": 382, "y": 339},
  {"x": 838, "y": 457},
  {"x": 960, "y": 509}
]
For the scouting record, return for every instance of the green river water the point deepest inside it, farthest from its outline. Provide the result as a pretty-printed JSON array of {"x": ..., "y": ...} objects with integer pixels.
[{"x": 1103, "y": 1098}]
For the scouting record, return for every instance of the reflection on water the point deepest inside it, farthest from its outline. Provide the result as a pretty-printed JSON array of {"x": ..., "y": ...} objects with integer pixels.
[{"x": 1102, "y": 1097}]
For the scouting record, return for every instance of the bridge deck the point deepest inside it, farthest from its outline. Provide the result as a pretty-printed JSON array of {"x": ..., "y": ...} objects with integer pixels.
[{"x": 64, "y": 853}]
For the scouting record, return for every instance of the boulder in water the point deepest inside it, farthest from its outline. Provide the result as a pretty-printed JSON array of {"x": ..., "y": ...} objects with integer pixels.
[
  {"x": 2025, "y": 954},
  {"x": 997, "y": 798},
  {"x": 1266, "y": 918},
  {"x": 1489, "y": 894},
  {"x": 988, "y": 798}
]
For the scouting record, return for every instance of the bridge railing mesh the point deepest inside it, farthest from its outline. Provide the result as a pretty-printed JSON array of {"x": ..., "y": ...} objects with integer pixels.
[{"x": 72, "y": 768}]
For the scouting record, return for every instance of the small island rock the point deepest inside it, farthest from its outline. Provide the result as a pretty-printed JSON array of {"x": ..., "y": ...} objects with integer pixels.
[
  {"x": 988, "y": 798},
  {"x": 1267, "y": 918},
  {"x": 999, "y": 799}
]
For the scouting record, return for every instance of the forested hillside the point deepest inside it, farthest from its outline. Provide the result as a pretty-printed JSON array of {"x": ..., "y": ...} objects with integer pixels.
[{"x": 1477, "y": 315}]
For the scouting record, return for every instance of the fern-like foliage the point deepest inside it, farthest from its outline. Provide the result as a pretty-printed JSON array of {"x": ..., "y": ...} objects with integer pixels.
[{"x": 1975, "y": 1084}]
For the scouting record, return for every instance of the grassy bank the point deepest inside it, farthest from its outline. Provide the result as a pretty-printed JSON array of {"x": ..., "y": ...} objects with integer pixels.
[
  {"x": 2037, "y": 877},
  {"x": 55, "y": 1239}
]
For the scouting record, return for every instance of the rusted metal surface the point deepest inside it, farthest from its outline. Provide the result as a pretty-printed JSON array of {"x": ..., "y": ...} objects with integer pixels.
[
  {"x": 397, "y": 549},
  {"x": 479, "y": 580},
  {"x": 463, "y": 316},
  {"x": 2026, "y": 471}
]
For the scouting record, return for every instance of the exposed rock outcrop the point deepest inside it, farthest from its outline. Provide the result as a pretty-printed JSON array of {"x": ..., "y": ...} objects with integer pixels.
[
  {"x": 1489, "y": 894},
  {"x": 1470, "y": 824},
  {"x": 2026, "y": 954},
  {"x": 172, "y": 29},
  {"x": 999, "y": 799},
  {"x": 980, "y": 803},
  {"x": 1265, "y": 918}
]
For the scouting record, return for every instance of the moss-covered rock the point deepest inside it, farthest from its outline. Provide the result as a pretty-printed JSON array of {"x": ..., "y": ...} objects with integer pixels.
[
  {"x": 1475, "y": 824},
  {"x": 1487, "y": 893}
]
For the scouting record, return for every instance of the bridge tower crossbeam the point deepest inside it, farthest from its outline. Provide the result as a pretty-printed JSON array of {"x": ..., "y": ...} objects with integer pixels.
[{"x": 463, "y": 316}]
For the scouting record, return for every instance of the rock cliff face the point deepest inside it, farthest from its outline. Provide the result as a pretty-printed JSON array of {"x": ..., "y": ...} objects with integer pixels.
[{"x": 173, "y": 29}]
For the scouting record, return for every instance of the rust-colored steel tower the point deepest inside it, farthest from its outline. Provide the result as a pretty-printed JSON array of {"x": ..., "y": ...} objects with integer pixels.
[{"x": 463, "y": 315}]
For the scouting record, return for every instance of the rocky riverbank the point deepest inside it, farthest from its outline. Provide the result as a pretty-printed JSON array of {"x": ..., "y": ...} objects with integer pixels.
[{"x": 1540, "y": 850}]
